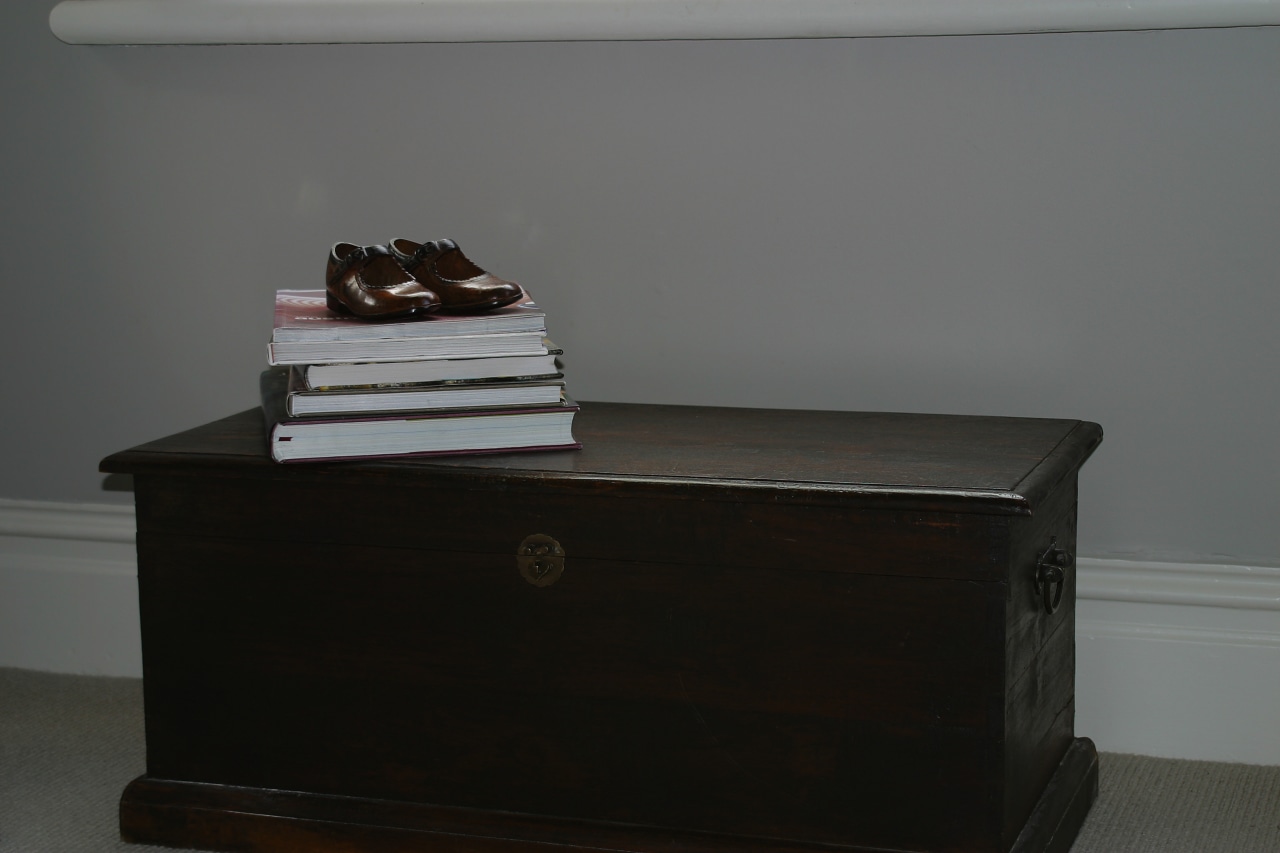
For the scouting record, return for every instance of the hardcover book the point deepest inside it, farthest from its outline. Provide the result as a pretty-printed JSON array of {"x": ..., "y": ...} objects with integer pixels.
[
  {"x": 406, "y": 349},
  {"x": 302, "y": 315},
  {"x": 451, "y": 432},
  {"x": 301, "y": 401},
  {"x": 492, "y": 368}
]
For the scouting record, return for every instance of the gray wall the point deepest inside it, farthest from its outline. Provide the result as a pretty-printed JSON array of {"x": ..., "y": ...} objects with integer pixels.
[{"x": 1076, "y": 226}]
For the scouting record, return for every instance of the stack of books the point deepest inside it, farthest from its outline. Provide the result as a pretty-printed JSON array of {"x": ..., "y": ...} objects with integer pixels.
[{"x": 342, "y": 388}]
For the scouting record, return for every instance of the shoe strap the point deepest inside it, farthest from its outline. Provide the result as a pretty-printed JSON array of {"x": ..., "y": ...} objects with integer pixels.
[
  {"x": 432, "y": 248},
  {"x": 361, "y": 254}
]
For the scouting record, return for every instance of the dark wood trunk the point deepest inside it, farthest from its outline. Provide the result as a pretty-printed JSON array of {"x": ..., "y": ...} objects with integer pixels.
[{"x": 774, "y": 630}]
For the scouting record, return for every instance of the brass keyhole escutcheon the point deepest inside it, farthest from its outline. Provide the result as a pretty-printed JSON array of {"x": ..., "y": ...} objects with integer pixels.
[{"x": 540, "y": 559}]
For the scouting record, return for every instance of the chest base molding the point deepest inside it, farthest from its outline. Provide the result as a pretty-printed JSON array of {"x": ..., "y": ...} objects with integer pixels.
[{"x": 222, "y": 817}]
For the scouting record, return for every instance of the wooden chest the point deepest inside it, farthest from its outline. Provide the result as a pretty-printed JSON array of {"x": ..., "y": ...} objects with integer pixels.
[{"x": 710, "y": 629}]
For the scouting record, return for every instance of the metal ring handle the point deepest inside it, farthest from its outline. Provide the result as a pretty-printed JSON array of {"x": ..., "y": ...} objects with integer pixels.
[{"x": 1051, "y": 574}]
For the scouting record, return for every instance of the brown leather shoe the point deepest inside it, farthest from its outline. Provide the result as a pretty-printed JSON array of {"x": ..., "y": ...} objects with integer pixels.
[
  {"x": 462, "y": 286},
  {"x": 368, "y": 282}
]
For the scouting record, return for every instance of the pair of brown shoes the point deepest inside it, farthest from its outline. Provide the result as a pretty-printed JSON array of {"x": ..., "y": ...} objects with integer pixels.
[{"x": 404, "y": 279}]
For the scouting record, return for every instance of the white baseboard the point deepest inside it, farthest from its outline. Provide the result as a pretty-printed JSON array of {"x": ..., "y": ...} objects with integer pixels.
[
  {"x": 1173, "y": 659},
  {"x": 69, "y": 588},
  {"x": 1179, "y": 660}
]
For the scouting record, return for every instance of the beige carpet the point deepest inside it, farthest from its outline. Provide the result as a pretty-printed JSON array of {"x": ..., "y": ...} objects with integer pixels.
[
  {"x": 1154, "y": 805},
  {"x": 69, "y": 745}
]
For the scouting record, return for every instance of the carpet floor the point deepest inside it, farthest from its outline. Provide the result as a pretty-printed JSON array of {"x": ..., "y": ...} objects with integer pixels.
[{"x": 69, "y": 745}]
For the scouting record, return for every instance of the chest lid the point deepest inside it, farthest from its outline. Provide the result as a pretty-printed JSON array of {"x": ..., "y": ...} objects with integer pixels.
[{"x": 951, "y": 463}]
